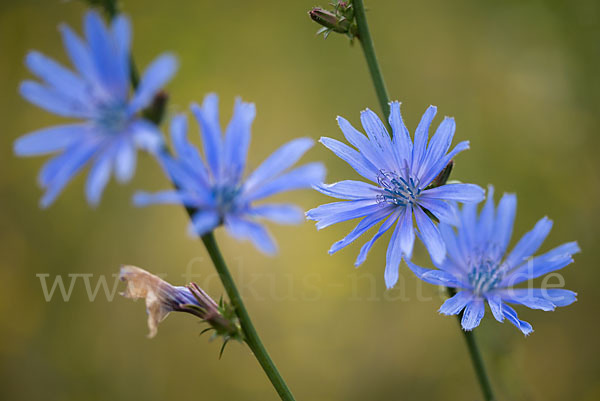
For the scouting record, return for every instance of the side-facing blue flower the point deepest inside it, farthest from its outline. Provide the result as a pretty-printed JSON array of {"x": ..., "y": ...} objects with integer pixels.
[
  {"x": 98, "y": 92},
  {"x": 403, "y": 172},
  {"x": 216, "y": 188},
  {"x": 478, "y": 266}
]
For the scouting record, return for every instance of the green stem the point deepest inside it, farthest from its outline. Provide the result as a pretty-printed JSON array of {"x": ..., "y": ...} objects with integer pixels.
[
  {"x": 476, "y": 358},
  {"x": 364, "y": 36},
  {"x": 251, "y": 336}
]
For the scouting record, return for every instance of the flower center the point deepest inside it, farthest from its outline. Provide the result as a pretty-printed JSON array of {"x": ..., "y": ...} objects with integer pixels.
[
  {"x": 225, "y": 196},
  {"x": 484, "y": 276},
  {"x": 398, "y": 191},
  {"x": 112, "y": 117}
]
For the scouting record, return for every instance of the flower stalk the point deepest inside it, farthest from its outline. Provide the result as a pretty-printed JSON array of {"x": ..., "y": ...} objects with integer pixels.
[{"x": 364, "y": 36}]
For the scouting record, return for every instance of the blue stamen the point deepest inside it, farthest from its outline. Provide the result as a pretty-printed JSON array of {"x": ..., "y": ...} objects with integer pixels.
[
  {"x": 398, "y": 190},
  {"x": 484, "y": 276},
  {"x": 112, "y": 117}
]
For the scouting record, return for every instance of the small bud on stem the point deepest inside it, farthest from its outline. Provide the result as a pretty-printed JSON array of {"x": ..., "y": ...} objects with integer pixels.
[
  {"x": 340, "y": 20},
  {"x": 443, "y": 176}
]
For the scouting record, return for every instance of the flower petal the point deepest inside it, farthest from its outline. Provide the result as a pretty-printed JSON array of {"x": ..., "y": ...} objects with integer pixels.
[
  {"x": 529, "y": 243},
  {"x": 445, "y": 212},
  {"x": 430, "y": 236},
  {"x": 355, "y": 159},
  {"x": 203, "y": 222},
  {"x": 455, "y": 252},
  {"x": 421, "y": 137},
  {"x": 79, "y": 54},
  {"x": 146, "y": 136},
  {"x": 49, "y": 140},
  {"x": 186, "y": 181},
  {"x": 400, "y": 245},
  {"x": 512, "y": 317},
  {"x": 434, "y": 170},
  {"x": 349, "y": 189},
  {"x": 246, "y": 230},
  {"x": 208, "y": 119},
  {"x": 362, "y": 256},
  {"x": 101, "y": 48},
  {"x": 401, "y": 138},
  {"x": 433, "y": 276},
  {"x": 364, "y": 225},
  {"x": 406, "y": 235},
  {"x": 155, "y": 77},
  {"x": 467, "y": 232},
  {"x": 454, "y": 305},
  {"x": 495, "y": 303},
  {"x": 52, "y": 100},
  {"x": 279, "y": 161},
  {"x": 187, "y": 153},
  {"x": 558, "y": 296},
  {"x": 438, "y": 146},
  {"x": 125, "y": 160},
  {"x": 526, "y": 297},
  {"x": 56, "y": 76},
  {"x": 73, "y": 161},
  {"x": 367, "y": 150},
  {"x": 121, "y": 34},
  {"x": 171, "y": 197},
  {"x": 473, "y": 314},
  {"x": 98, "y": 177},
  {"x": 237, "y": 138},
  {"x": 336, "y": 212},
  {"x": 281, "y": 214},
  {"x": 456, "y": 192},
  {"x": 485, "y": 225},
  {"x": 503, "y": 226},
  {"x": 379, "y": 139},
  {"x": 301, "y": 177},
  {"x": 555, "y": 259}
]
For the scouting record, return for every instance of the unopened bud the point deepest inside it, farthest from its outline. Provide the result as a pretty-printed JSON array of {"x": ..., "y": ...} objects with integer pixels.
[
  {"x": 156, "y": 110},
  {"x": 443, "y": 176},
  {"x": 340, "y": 20}
]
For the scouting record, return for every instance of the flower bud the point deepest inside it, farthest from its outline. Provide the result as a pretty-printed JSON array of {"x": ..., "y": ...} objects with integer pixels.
[
  {"x": 340, "y": 20},
  {"x": 443, "y": 176}
]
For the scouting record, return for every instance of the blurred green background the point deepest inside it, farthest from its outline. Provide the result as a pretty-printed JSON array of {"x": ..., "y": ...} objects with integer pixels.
[{"x": 521, "y": 79}]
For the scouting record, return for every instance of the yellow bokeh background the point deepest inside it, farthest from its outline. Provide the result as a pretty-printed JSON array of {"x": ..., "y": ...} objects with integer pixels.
[{"x": 520, "y": 77}]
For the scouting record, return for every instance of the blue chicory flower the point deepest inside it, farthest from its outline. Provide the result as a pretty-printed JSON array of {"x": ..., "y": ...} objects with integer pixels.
[
  {"x": 479, "y": 267},
  {"x": 98, "y": 92},
  {"x": 403, "y": 172},
  {"x": 216, "y": 188}
]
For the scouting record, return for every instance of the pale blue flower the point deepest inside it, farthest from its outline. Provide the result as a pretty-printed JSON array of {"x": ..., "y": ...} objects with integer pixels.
[
  {"x": 214, "y": 186},
  {"x": 479, "y": 267},
  {"x": 98, "y": 93},
  {"x": 402, "y": 172}
]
